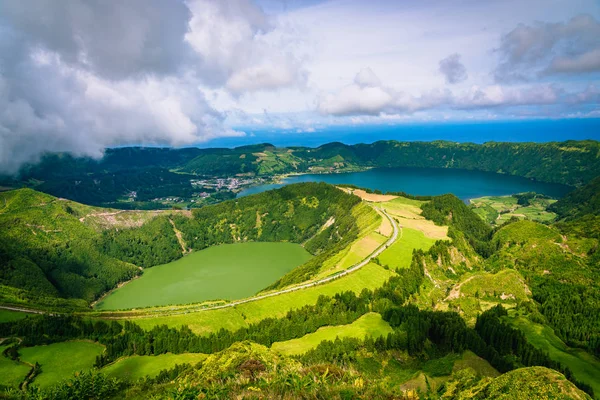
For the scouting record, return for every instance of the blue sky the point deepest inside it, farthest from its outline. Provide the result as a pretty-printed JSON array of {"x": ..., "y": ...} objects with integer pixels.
[{"x": 80, "y": 76}]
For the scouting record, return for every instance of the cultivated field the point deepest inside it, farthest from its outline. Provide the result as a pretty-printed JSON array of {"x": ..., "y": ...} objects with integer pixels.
[
  {"x": 231, "y": 271},
  {"x": 370, "y": 324},
  {"x": 61, "y": 360},
  {"x": 136, "y": 367}
]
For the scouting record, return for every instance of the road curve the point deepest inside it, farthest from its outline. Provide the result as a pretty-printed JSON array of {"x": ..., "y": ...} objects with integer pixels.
[{"x": 345, "y": 272}]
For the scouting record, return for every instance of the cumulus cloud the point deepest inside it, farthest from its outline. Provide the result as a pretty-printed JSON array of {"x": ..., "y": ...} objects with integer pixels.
[
  {"x": 236, "y": 44},
  {"x": 453, "y": 70},
  {"x": 79, "y": 76},
  {"x": 532, "y": 51}
]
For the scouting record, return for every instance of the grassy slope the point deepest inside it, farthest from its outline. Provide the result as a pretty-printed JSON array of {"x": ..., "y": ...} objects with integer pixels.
[
  {"x": 61, "y": 360},
  {"x": 136, "y": 367},
  {"x": 370, "y": 324},
  {"x": 584, "y": 366},
  {"x": 368, "y": 222},
  {"x": 231, "y": 271},
  {"x": 399, "y": 255},
  {"x": 371, "y": 276},
  {"x": 12, "y": 373},
  {"x": 49, "y": 251}
]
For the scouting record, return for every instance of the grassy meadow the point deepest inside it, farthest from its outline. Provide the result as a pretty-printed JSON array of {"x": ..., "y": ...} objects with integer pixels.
[
  {"x": 399, "y": 255},
  {"x": 136, "y": 367},
  {"x": 61, "y": 360},
  {"x": 9, "y": 315},
  {"x": 370, "y": 324},
  {"x": 231, "y": 271},
  {"x": 12, "y": 373}
]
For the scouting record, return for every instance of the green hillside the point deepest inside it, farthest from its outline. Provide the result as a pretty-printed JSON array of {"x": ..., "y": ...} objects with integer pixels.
[
  {"x": 54, "y": 248},
  {"x": 455, "y": 308}
]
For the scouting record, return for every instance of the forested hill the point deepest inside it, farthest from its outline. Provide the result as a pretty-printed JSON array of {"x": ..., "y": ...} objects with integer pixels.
[
  {"x": 54, "y": 248},
  {"x": 145, "y": 169},
  {"x": 579, "y": 211}
]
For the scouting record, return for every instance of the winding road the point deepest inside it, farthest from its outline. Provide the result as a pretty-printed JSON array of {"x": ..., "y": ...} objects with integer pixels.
[{"x": 338, "y": 275}]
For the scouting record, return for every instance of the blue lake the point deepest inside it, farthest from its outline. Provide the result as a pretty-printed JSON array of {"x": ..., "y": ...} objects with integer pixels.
[{"x": 428, "y": 181}]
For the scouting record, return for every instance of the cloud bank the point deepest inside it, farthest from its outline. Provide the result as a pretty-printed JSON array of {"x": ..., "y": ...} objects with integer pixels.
[{"x": 78, "y": 76}]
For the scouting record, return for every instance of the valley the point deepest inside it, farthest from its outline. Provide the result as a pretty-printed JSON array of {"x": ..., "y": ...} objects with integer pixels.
[{"x": 334, "y": 285}]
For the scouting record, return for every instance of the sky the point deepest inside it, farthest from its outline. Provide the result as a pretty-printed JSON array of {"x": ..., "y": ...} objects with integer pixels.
[{"x": 79, "y": 76}]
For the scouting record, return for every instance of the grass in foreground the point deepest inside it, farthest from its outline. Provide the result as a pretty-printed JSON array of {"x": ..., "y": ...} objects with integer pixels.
[
  {"x": 231, "y": 271},
  {"x": 583, "y": 365},
  {"x": 136, "y": 367},
  {"x": 61, "y": 360},
  {"x": 370, "y": 324},
  {"x": 12, "y": 373}
]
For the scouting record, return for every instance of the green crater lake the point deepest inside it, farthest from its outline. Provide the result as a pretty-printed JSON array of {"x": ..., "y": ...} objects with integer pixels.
[
  {"x": 229, "y": 271},
  {"x": 429, "y": 182}
]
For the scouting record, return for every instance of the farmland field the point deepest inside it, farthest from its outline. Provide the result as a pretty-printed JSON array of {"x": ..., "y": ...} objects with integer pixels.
[
  {"x": 231, "y": 271},
  {"x": 60, "y": 360},
  {"x": 370, "y": 324},
  {"x": 136, "y": 367}
]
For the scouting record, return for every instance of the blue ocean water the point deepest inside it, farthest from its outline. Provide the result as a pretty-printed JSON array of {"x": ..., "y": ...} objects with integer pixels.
[
  {"x": 429, "y": 181},
  {"x": 476, "y": 132}
]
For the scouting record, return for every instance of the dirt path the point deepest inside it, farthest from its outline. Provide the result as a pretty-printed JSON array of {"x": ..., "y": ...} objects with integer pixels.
[
  {"x": 455, "y": 291},
  {"x": 184, "y": 249}
]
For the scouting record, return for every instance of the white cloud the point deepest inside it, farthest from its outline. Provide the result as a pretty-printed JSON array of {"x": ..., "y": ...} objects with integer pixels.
[{"x": 235, "y": 42}]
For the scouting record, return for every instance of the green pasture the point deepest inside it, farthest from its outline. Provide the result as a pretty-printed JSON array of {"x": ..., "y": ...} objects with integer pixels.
[
  {"x": 370, "y": 324},
  {"x": 231, "y": 271},
  {"x": 136, "y": 367},
  {"x": 399, "y": 254},
  {"x": 61, "y": 360},
  {"x": 371, "y": 276},
  {"x": 12, "y": 373},
  {"x": 9, "y": 315},
  {"x": 584, "y": 366}
]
